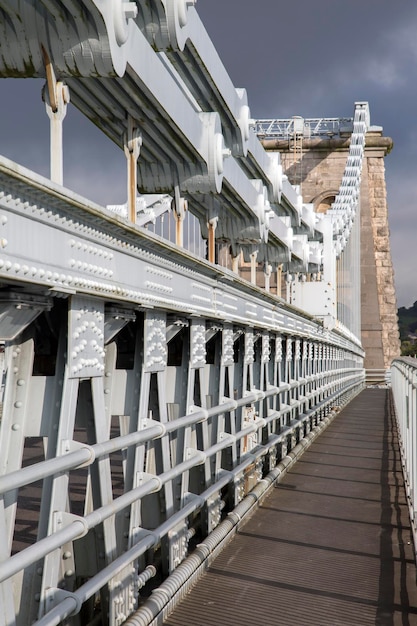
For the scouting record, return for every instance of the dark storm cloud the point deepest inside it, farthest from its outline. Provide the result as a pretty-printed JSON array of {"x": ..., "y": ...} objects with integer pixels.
[{"x": 301, "y": 57}]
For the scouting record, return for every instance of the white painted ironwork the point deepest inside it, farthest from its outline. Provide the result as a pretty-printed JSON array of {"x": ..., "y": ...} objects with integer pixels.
[
  {"x": 344, "y": 208},
  {"x": 103, "y": 274},
  {"x": 336, "y": 298},
  {"x": 308, "y": 127},
  {"x": 160, "y": 387},
  {"x": 404, "y": 389}
]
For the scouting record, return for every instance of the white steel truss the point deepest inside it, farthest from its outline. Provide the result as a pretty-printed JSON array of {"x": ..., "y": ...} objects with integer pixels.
[{"x": 147, "y": 391}]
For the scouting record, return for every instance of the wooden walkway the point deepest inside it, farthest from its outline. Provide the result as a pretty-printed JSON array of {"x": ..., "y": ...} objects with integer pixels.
[{"x": 330, "y": 546}]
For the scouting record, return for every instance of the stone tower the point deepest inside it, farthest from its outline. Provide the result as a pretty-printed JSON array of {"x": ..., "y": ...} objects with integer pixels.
[{"x": 317, "y": 165}]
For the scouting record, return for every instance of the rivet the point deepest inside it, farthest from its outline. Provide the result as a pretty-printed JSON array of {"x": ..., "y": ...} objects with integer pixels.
[
  {"x": 15, "y": 427},
  {"x": 20, "y": 382}
]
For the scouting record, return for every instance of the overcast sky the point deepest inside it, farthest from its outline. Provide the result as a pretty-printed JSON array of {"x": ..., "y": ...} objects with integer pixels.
[{"x": 313, "y": 58}]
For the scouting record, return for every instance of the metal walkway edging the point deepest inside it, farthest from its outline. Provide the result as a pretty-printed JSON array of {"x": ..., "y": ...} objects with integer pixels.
[{"x": 408, "y": 487}]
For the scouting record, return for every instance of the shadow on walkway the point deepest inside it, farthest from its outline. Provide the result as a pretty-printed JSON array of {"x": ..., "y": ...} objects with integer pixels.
[{"x": 330, "y": 546}]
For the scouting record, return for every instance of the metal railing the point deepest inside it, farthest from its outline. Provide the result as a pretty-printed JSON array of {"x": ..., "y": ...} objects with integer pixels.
[
  {"x": 287, "y": 425},
  {"x": 172, "y": 390},
  {"x": 308, "y": 127},
  {"x": 404, "y": 390}
]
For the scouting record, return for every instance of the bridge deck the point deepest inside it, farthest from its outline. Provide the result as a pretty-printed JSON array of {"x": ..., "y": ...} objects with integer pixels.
[{"x": 332, "y": 545}]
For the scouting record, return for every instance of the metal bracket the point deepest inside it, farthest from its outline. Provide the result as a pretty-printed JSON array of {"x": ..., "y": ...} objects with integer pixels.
[
  {"x": 86, "y": 338},
  {"x": 179, "y": 207},
  {"x": 239, "y": 489},
  {"x": 62, "y": 519},
  {"x": 132, "y": 146},
  {"x": 198, "y": 456},
  {"x": 148, "y": 423},
  {"x": 177, "y": 544},
  {"x": 213, "y": 511},
  {"x": 272, "y": 458},
  {"x": 198, "y": 409},
  {"x": 138, "y": 533},
  {"x": 227, "y": 437},
  {"x": 141, "y": 478},
  {"x": 68, "y": 446},
  {"x": 56, "y": 97},
  {"x": 55, "y": 596}
]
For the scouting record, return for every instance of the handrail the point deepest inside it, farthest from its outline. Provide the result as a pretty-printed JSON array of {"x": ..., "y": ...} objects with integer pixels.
[{"x": 404, "y": 393}]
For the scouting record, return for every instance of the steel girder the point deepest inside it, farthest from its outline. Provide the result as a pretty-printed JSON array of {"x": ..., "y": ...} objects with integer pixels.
[
  {"x": 146, "y": 391},
  {"x": 183, "y": 103}
]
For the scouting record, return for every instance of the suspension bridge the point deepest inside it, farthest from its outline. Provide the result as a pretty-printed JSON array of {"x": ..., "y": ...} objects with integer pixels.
[{"x": 166, "y": 361}]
